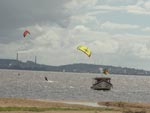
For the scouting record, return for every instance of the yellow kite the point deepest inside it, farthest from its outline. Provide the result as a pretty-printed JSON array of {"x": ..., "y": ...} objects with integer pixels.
[{"x": 85, "y": 49}]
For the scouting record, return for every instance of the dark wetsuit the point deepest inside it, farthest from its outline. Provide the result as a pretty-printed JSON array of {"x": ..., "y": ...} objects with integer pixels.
[{"x": 46, "y": 79}]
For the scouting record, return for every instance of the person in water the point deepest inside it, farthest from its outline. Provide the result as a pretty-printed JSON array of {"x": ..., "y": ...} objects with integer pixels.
[
  {"x": 105, "y": 71},
  {"x": 46, "y": 79}
]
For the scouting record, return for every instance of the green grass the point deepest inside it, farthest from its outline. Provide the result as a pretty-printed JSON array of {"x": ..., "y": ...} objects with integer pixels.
[{"x": 38, "y": 109}]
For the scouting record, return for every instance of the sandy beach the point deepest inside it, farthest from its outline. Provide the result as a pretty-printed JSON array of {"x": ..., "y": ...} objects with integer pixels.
[
  {"x": 64, "y": 112},
  {"x": 110, "y": 107}
]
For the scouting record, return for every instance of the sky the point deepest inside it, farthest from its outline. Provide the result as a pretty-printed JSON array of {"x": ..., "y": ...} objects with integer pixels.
[{"x": 116, "y": 31}]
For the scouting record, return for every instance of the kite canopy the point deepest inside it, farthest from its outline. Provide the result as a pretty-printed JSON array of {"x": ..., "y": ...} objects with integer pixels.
[
  {"x": 26, "y": 32},
  {"x": 85, "y": 49}
]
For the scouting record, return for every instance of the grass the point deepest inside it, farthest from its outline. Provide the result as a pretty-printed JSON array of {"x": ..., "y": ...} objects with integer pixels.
[
  {"x": 38, "y": 109},
  {"x": 11, "y": 104},
  {"x": 127, "y": 107}
]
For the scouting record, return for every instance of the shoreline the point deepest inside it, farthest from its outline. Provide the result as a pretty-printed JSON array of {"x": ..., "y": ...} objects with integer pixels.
[{"x": 70, "y": 106}]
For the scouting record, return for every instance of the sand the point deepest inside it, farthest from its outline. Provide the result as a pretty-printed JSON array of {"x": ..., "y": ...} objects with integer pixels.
[
  {"x": 64, "y": 112},
  {"x": 18, "y": 102}
]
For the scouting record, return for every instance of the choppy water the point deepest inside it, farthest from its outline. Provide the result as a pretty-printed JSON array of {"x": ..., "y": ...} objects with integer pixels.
[{"x": 72, "y": 86}]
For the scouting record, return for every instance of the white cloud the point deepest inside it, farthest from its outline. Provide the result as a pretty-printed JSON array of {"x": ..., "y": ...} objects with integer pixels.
[
  {"x": 76, "y": 4},
  {"x": 136, "y": 46},
  {"x": 141, "y": 7},
  {"x": 109, "y": 8},
  {"x": 84, "y": 19},
  {"x": 92, "y": 8},
  {"x": 141, "y": 51},
  {"x": 147, "y": 5},
  {"x": 104, "y": 46},
  {"x": 137, "y": 10},
  {"x": 80, "y": 28},
  {"x": 147, "y": 29},
  {"x": 116, "y": 26}
]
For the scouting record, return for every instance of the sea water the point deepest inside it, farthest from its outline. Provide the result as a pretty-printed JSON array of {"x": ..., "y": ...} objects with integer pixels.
[{"x": 72, "y": 86}]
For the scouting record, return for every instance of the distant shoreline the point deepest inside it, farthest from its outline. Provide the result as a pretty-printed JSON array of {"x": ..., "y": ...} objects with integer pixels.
[{"x": 75, "y": 67}]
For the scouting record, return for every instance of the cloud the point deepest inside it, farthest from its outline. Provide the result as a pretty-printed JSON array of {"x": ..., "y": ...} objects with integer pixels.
[
  {"x": 80, "y": 28},
  {"x": 84, "y": 19},
  {"x": 109, "y": 8},
  {"x": 141, "y": 7},
  {"x": 147, "y": 29},
  {"x": 133, "y": 45},
  {"x": 58, "y": 27},
  {"x": 104, "y": 46},
  {"x": 97, "y": 7},
  {"x": 77, "y": 4},
  {"x": 19, "y": 13},
  {"x": 48, "y": 42},
  {"x": 141, "y": 50},
  {"x": 116, "y": 26}
]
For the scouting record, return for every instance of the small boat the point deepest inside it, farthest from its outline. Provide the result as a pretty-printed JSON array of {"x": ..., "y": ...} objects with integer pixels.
[{"x": 102, "y": 83}]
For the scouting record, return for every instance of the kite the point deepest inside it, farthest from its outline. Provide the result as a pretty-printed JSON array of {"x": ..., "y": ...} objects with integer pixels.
[
  {"x": 26, "y": 32},
  {"x": 85, "y": 49}
]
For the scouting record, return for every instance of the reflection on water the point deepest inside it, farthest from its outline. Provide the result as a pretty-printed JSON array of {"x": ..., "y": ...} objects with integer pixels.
[{"x": 72, "y": 86}]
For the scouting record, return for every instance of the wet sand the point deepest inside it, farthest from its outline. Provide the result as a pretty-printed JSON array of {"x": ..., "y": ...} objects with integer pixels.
[
  {"x": 65, "y": 112},
  {"x": 18, "y": 102}
]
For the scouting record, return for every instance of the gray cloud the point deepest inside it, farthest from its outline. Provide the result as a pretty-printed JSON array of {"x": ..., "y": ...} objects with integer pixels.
[{"x": 15, "y": 14}]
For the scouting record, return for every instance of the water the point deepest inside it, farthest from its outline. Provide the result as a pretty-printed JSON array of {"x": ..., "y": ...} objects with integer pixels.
[{"x": 72, "y": 86}]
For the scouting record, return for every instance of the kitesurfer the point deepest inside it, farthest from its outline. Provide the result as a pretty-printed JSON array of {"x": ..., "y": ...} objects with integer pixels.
[{"x": 46, "y": 78}]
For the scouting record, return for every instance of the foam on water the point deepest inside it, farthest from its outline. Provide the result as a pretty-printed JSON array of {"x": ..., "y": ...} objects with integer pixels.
[{"x": 50, "y": 81}]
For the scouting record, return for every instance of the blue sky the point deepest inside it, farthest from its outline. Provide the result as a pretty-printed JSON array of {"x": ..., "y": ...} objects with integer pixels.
[{"x": 116, "y": 31}]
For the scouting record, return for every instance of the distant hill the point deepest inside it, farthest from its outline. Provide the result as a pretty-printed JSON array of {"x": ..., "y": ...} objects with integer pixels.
[{"x": 78, "y": 68}]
